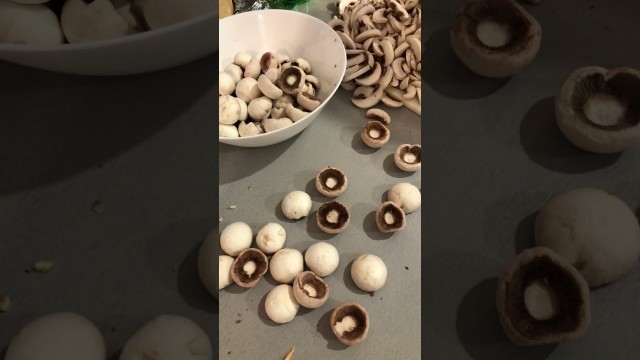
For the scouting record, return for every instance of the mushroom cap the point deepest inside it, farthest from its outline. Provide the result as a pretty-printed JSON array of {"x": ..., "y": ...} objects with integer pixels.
[
  {"x": 581, "y": 89},
  {"x": 595, "y": 231},
  {"x": 332, "y": 217},
  {"x": 304, "y": 296},
  {"x": 406, "y": 196},
  {"x": 29, "y": 24},
  {"x": 375, "y": 126},
  {"x": 369, "y": 272},
  {"x": 291, "y": 80},
  {"x": 169, "y": 337},
  {"x": 271, "y": 124},
  {"x": 325, "y": 175},
  {"x": 322, "y": 258},
  {"x": 56, "y": 336},
  {"x": 361, "y": 322},
  {"x": 159, "y": 14},
  {"x": 285, "y": 264},
  {"x": 296, "y": 205},
  {"x": 98, "y": 20},
  {"x": 501, "y": 61},
  {"x": 260, "y": 262},
  {"x": 226, "y": 84},
  {"x": 281, "y": 305},
  {"x": 225, "y": 130},
  {"x": 259, "y": 108},
  {"x": 406, "y": 152},
  {"x": 225, "y": 264},
  {"x": 248, "y": 89},
  {"x": 563, "y": 281},
  {"x": 235, "y": 238},
  {"x": 271, "y": 238},
  {"x": 397, "y": 221}
]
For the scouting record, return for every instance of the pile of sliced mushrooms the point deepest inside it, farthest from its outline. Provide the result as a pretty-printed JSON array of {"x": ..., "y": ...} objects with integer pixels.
[{"x": 383, "y": 41}]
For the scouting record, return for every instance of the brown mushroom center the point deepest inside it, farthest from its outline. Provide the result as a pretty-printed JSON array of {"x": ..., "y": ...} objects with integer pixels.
[
  {"x": 497, "y": 25},
  {"x": 411, "y": 154},
  {"x": 543, "y": 298},
  {"x": 390, "y": 217},
  {"x": 612, "y": 104},
  {"x": 331, "y": 179},
  {"x": 250, "y": 265},
  {"x": 312, "y": 286},
  {"x": 350, "y": 322},
  {"x": 333, "y": 215}
]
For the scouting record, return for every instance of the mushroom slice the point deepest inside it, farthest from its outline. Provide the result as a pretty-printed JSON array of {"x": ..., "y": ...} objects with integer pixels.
[
  {"x": 391, "y": 102},
  {"x": 360, "y": 38},
  {"x": 542, "y": 299},
  {"x": 365, "y": 102},
  {"x": 331, "y": 181},
  {"x": 370, "y": 77},
  {"x": 332, "y": 217},
  {"x": 408, "y": 157},
  {"x": 390, "y": 217},
  {"x": 312, "y": 80},
  {"x": 379, "y": 115},
  {"x": 291, "y": 80},
  {"x": 378, "y": 16},
  {"x": 310, "y": 290},
  {"x": 350, "y": 323},
  {"x": 249, "y": 267},
  {"x": 253, "y": 69},
  {"x": 244, "y": 111},
  {"x": 361, "y": 70},
  {"x": 349, "y": 85},
  {"x": 337, "y": 24},
  {"x": 228, "y": 110},
  {"x": 398, "y": 70},
  {"x": 268, "y": 61},
  {"x": 410, "y": 93},
  {"x": 248, "y": 129},
  {"x": 260, "y": 108},
  {"x": 356, "y": 59},
  {"x": 272, "y": 74},
  {"x": 387, "y": 49},
  {"x": 271, "y": 124},
  {"x": 346, "y": 40},
  {"x": 416, "y": 47},
  {"x": 268, "y": 88},
  {"x": 307, "y": 101},
  {"x": 294, "y": 113},
  {"x": 375, "y": 134},
  {"x": 495, "y": 38},
  {"x": 598, "y": 110},
  {"x": 400, "y": 49}
]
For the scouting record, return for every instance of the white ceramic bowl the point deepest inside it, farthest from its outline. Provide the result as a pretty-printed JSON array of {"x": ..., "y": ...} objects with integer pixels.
[
  {"x": 296, "y": 35},
  {"x": 144, "y": 52}
]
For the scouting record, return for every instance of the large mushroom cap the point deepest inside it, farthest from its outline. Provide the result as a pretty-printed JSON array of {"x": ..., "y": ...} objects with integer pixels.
[
  {"x": 596, "y": 232},
  {"x": 28, "y": 24}
]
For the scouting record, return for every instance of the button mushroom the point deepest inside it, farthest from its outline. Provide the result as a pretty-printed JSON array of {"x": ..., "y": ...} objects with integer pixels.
[
  {"x": 390, "y": 217},
  {"x": 350, "y": 323},
  {"x": 271, "y": 238},
  {"x": 322, "y": 258},
  {"x": 291, "y": 80},
  {"x": 248, "y": 89},
  {"x": 84, "y": 21},
  {"x": 310, "y": 290},
  {"x": 598, "y": 110},
  {"x": 281, "y": 305},
  {"x": 235, "y": 238},
  {"x": 28, "y": 24},
  {"x": 226, "y": 84},
  {"x": 369, "y": 272},
  {"x": 542, "y": 299},
  {"x": 406, "y": 196},
  {"x": 228, "y": 110},
  {"x": 595, "y": 231},
  {"x": 332, "y": 217},
  {"x": 225, "y": 264},
  {"x": 375, "y": 134},
  {"x": 296, "y": 205},
  {"x": 331, "y": 181},
  {"x": 285, "y": 264},
  {"x": 408, "y": 157},
  {"x": 259, "y": 108},
  {"x": 249, "y": 267}
]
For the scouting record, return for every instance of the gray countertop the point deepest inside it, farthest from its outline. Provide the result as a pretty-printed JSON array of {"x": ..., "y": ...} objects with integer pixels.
[
  {"x": 141, "y": 145},
  {"x": 495, "y": 157},
  {"x": 256, "y": 180}
]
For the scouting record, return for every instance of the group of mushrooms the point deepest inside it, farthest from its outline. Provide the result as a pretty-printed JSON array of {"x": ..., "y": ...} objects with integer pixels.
[
  {"x": 246, "y": 265},
  {"x": 54, "y": 22},
  {"x": 585, "y": 237}
]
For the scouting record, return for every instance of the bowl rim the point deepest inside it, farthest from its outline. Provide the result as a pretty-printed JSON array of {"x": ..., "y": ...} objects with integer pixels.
[
  {"x": 141, "y": 36},
  {"x": 256, "y": 13}
]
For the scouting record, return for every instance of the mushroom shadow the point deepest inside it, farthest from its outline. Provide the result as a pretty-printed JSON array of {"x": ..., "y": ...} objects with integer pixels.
[
  {"x": 115, "y": 355},
  {"x": 543, "y": 143},
  {"x": 480, "y": 332},
  {"x": 268, "y": 278},
  {"x": 55, "y": 125},
  {"x": 525, "y": 235},
  {"x": 313, "y": 192},
  {"x": 262, "y": 313},
  {"x": 371, "y": 229},
  {"x": 448, "y": 76},
  {"x": 314, "y": 231},
  {"x": 324, "y": 328},
  {"x": 360, "y": 147},
  {"x": 348, "y": 281},
  {"x": 390, "y": 167},
  {"x": 190, "y": 286},
  {"x": 280, "y": 215},
  {"x": 6, "y": 348}
]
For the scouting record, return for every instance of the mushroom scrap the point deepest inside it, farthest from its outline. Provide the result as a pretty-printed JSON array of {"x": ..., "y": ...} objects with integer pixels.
[{"x": 383, "y": 41}]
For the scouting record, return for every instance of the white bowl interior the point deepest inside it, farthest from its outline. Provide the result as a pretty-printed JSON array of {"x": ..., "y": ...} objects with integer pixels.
[{"x": 284, "y": 32}]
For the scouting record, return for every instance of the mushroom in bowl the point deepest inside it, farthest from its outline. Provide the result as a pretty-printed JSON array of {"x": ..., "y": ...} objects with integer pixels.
[{"x": 288, "y": 75}]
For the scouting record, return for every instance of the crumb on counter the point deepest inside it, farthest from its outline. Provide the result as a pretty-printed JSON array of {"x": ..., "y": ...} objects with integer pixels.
[
  {"x": 232, "y": 207},
  {"x": 44, "y": 266},
  {"x": 290, "y": 354}
]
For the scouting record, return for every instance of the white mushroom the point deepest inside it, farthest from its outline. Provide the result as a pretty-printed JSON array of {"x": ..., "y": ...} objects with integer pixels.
[
  {"x": 224, "y": 271},
  {"x": 29, "y": 24},
  {"x": 271, "y": 124},
  {"x": 228, "y": 110},
  {"x": 322, "y": 258},
  {"x": 294, "y": 113},
  {"x": 296, "y": 205},
  {"x": 248, "y": 129},
  {"x": 253, "y": 69},
  {"x": 226, "y": 84},
  {"x": 228, "y": 131},
  {"x": 302, "y": 64},
  {"x": 277, "y": 113},
  {"x": 271, "y": 238},
  {"x": 235, "y": 71},
  {"x": 97, "y": 20},
  {"x": 260, "y": 108},
  {"x": 272, "y": 75},
  {"x": 369, "y": 272},
  {"x": 406, "y": 196},
  {"x": 235, "y": 238},
  {"x": 247, "y": 89},
  {"x": 283, "y": 101},
  {"x": 244, "y": 111},
  {"x": 285, "y": 264},
  {"x": 242, "y": 59},
  {"x": 281, "y": 305}
]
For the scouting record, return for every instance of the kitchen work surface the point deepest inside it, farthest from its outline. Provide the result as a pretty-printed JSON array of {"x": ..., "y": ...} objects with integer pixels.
[
  {"x": 494, "y": 156},
  {"x": 113, "y": 179},
  {"x": 253, "y": 182}
]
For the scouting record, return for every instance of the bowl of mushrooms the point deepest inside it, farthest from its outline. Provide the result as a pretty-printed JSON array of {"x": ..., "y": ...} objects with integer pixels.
[
  {"x": 106, "y": 37},
  {"x": 278, "y": 69}
]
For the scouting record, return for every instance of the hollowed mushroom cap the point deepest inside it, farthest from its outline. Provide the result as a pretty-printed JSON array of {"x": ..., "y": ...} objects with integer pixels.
[
  {"x": 291, "y": 80},
  {"x": 375, "y": 134},
  {"x": 331, "y": 181},
  {"x": 390, "y": 217},
  {"x": 495, "y": 38},
  {"x": 596, "y": 232},
  {"x": 598, "y": 110},
  {"x": 249, "y": 267},
  {"x": 542, "y": 299},
  {"x": 310, "y": 290},
  {"x": 408, "y": 157},
  {"x": 350, "y": 323},
  {"x": 332, "y": 217}
]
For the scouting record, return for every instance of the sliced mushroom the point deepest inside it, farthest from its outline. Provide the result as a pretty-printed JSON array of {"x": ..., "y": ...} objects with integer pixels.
[
  {"x": 375, "y": 134},
  {"x": 248, "y": 129},
  {"x": 350, "y": 323},
  {"x": 268, "y": 88},
  {"x": 332, "y": 217},
  {"x": 362, "y": 69},
  {"x": 307, "y": 101},
  {"x": 390, "y": 217},
  {"x": 371, "y": 77},
  {"x": 408, "y": 157},
  {"x": 249, "y": 267},
  {"x": 283, "y": 101},
  {"x": 294, "y": 113},
  {"x": 542, "y": 299},
  {"x": 271, "y": 124},
  {"x": 291, "y": 80},
  {"x": 244, "y": 111},
  {"x": 365, "y": 102},
  {"x": 310, "y": 290},
  {"x": 379, "y": 115},
  {"x": 331, "y": 181}
]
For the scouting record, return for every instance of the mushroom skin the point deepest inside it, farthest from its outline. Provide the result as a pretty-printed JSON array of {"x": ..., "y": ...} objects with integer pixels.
[
  {"x": 611, "y": 97},
  {"x": 29, "y": 24},
  {"x": 369, "y": 272},
  {"x": 161, "y": 13},
  {"x": 226, "y": 84},
  {"x": 235, "y": 238},
  {"x": 228, "y": 110},
  {"x": 281, "y": 305},
  {"x": 98, "y": 20},
  {"x": 271, "y": 124},
  {"x": 596, "y": 232},
  {"x": 406, "y": 196},
  {"x": 518, "y": 311},
  {"x": 495, "y": 61},
  {"x": 322, "y": 258}
]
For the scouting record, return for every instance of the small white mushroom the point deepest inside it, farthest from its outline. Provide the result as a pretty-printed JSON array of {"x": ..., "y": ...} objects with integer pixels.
[
  {"x": 271, "y": 124},
  {"x": 242, "y": 59},
  {"x": 235, "y": 71},
  {"x": 285, "y": 265},
  {"x": 322, "y": 258},
  {"x": 247, "y": 89},
  {"x": 260, "y": 108},
  {"x": 406, "y": 196},
  {"x": 224, "y": 271},
  {"x": 271, "y": 238},
  {"x": 253, "y": 69},
  {"x": 281, "y": 305},
  {"x": 228, "y": 110},
  {"x": 226, "y": 84},
  {"x": 369, "y": 272},
  {"x": 296, "y": 205},
  {"x": 235, "y": 238},
  {"x": 228, "y": 131}
]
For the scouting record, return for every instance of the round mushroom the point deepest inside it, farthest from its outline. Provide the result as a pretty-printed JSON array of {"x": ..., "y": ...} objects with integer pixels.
[
  {"x": 495, "y": 38},
  {"x": 228, "y": 110},
  {"x": 281, "y": 305},
  {"x": 259, "y": 108},
  {"x": 369, "y": 272},
  {"x": 296, "y": 205},
  {"x": 598, "y": 110},
  {"x": 291, "y": 80},
  {"x": 406, "y": 196},
  {"x": 225, "y": 264},
  {"x": 235, "y": 238},
  {"x": 226, "y": 84},
  {"x": 542, "y": 299},
  {"x": 271, "y": 238},
  {"x": 248, "y": 89},
  {"x": 285, "y": 265},
  {"x": 29, "y": 24},
  {"x": 595, "y": 231},
  {"x": 310, "y": 290},
  {"x": 225, "y": 130},
  {"x": 331, "y": 181},
  {"x": 350, "y": 323},
  {"x": 66, "y": 336},
  {"x": 408, "y": 157},
  {"x": 332, "y": 217},
  {"x": 249, "y": 267},
  {"x": 375, "y": 134},
  {"x": 390, "y": 217},
  {"x": 84, "y": 21},
  {"x": 322, "y": 258}
]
